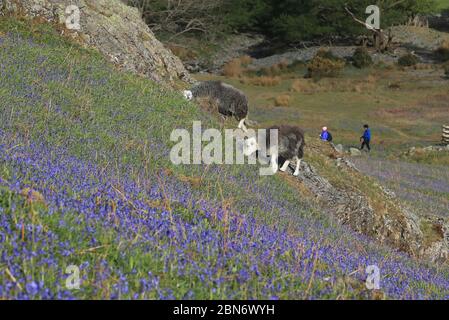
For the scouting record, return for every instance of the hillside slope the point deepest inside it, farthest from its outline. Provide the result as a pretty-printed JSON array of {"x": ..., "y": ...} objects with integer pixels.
[
  {"x": 113, "y": 28},
  {"x": 86, "y": 181}
]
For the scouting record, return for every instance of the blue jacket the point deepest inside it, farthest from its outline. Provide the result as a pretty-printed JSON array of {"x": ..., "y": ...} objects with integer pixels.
[
  {"x": 367, "y": 134},
  {"x": 324, "y": 135}
]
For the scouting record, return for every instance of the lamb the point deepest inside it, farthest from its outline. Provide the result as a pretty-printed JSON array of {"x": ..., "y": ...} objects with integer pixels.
[
  {"x": 231, "y": 101},
  {"x": 291, "y": 144}
]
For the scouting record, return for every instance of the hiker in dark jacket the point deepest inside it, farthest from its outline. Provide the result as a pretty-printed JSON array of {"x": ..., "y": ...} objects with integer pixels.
[
  {"x": 326, "y": 135},
  {"x": 366, "y": 138}
]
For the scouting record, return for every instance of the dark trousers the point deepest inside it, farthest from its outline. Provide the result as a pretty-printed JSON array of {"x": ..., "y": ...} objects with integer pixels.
[{"x": 365, "y": 143}]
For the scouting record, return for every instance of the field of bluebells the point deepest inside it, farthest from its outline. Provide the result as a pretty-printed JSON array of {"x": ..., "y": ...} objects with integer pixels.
[
  {"x": 424, "y": 187},
  {"x": 85, "y": 180}
]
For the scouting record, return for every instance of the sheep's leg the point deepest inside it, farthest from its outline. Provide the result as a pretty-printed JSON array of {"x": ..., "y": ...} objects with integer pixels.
[
  {"x": 298, "y": 165},
  {"x": 273, "y": 161},
  {"x": 285, "y": 166},
  {"x": 242, "y": 125},
  {"x": 222, "y": 121}
]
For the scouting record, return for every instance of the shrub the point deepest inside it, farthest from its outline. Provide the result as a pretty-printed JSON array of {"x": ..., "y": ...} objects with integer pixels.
[
  {"x": 446, "y": 69},
  {"x": 327, "y": 54},
  {"x": 233, "y": 68},
  {"x": 245, "y": 60},
  {"x": 303, "y": 86},
  {"x": 408, "y": 60},
  {"x": 320, "y": 67},
  {"x": 361, "y": 58},
  {"x": 282, "y": 100},
  {"x": 271, "y": 71},
  {"x": 442, "y": 53}
]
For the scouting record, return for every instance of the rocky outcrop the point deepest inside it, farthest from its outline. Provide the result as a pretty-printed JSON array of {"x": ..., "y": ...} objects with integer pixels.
[
  {"x": 418, "y": 38},
  {"x": 353, "y": 208},
  {"x": 413, "y": 150},
  {"x": 379, "y": 215},
  {"x": 113, "y": 28}
]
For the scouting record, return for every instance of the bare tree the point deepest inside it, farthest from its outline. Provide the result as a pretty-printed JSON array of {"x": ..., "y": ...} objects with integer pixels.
[
  {"x": 381, "y": 41},
  {"x": 177, "y": 17}
]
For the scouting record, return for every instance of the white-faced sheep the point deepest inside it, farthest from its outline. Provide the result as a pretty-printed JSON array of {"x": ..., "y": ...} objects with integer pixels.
[
  {"x": 290, "y": 146},
  {"x": 231, "y": 101}
]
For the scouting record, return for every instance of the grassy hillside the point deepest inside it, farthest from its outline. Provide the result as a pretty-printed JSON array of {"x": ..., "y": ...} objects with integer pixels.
[{"x": 85, "y": 180}]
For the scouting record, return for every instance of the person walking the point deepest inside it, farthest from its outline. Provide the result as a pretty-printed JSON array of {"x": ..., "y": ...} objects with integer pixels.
[
  {"x": 325, "y": 135},
  {"x": 366, "y": 138}
]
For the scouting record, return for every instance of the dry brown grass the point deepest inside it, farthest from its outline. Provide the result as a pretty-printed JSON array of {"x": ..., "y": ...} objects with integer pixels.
[
  {"x": 32, "y": 196},
  {"x": 245, "y": 60},
  {"x": 276, "y": 69},
  {"x": 444, "y": 44},
  {"x": 304, "y": 86},
  {"x": 308, "y": 86},
  {"x": 423, "y": 66},
  {"x": 263, "y": 81},
  {"x": 371, "y": 79},
  {"x": 193, "y": 181},
  {"x": 282, "y": 100},
  {"x": 237, "y": 67},
  {"x": 233, "y": 68},
  {"x": 357, "y": 88}
]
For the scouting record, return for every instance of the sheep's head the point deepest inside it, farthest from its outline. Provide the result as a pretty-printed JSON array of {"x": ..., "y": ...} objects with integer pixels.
[
  {"x": 250, "y": 146},
  {"x": 188, "y": 94}
]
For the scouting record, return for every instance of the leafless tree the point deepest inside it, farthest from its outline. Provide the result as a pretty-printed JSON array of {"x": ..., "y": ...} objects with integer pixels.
[
  {"x": 177, "y": 17},
  {"x": 381, "y": 41}
]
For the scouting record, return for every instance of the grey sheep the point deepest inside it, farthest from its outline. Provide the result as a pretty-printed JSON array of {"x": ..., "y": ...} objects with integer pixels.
[
  {"x": 231, "y": 101},
  {"x": 291, "y": 144}
]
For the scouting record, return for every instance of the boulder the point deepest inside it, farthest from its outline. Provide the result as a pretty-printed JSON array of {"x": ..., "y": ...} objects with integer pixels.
[
  {"x": 339, "y": 148},
  {"x": 355, "y": 152},
  {"x": 114, "y": 29},
  {"x": 353, "y": 208}
]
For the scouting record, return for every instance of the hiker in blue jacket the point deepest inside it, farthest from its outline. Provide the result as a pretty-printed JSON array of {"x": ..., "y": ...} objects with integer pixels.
[
  {"x": 325, "y": 135},
  {"x": 366, "y": 138}
]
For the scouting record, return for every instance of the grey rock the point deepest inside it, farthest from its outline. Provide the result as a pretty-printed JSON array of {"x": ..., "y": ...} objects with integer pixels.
[
  {"x": 438, "y": 251},
  {"x": 114, "y": 29},
  {"x": 339, "y": 148},
  {"x": 355, "y": 152},
  {"x": 352, "y": 208}
]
